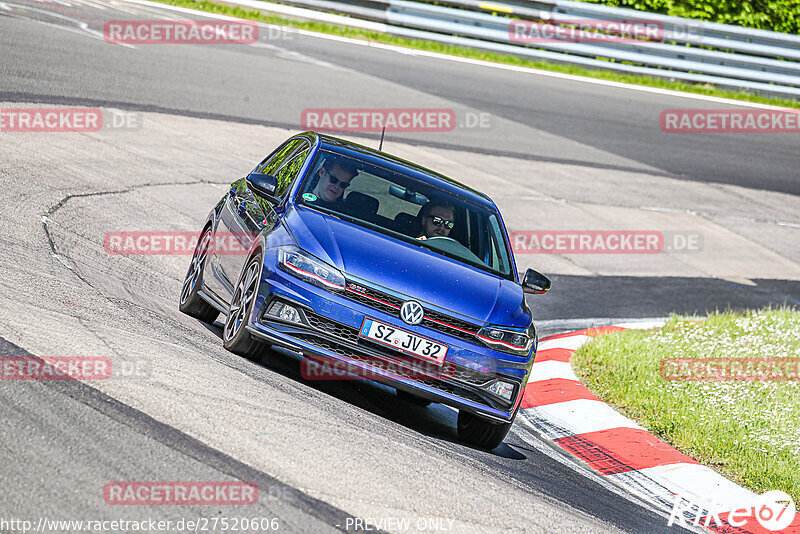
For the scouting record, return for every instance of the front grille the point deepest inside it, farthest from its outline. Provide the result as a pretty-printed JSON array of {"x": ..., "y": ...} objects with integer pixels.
[
  {"x": 390, "y": 304},
  {"x": 358, "y": 297},
  {"x": 476, "y": 378},
  {"x": 335, "y": 329},
  {"x": 375, "y": 294},
  {"x": 430, "y": 316},
  {"x": 350, "y": 334},
  {"x": 453, "y": 389},
  {"x": 355, "y": 354}
]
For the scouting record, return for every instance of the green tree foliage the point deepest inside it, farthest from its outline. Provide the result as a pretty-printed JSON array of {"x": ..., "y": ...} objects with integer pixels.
[{"x": 775, "y": 15}]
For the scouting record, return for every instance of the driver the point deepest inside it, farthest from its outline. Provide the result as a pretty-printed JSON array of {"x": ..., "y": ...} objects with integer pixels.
[
  {"x": 436, "y": 219},
  {"x": 334, "y": 177}
]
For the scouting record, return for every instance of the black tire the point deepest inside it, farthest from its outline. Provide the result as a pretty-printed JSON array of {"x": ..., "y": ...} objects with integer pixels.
[
  {"x": 190, "y": 301},
  {"x": 235, "y": 336},
  {"x": 413, "y": 399},
  {"x": 476, "y": 431}
]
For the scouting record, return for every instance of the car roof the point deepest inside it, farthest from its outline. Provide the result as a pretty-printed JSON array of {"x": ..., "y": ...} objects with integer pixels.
[{"x": 371, "y": 155}]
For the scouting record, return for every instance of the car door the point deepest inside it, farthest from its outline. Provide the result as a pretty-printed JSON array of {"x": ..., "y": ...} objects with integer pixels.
[{"x": 244, "y": 215}]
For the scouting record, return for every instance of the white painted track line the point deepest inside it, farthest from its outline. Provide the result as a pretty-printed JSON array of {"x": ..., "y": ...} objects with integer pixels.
[
  {"x": 547, "y": 370},
  {"x": 569, "y": 343},
  {"x": 582, "y": 416}
]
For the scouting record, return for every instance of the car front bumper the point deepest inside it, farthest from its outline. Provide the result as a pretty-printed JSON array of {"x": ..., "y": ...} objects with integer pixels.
[{"x": 329, "y": 333}]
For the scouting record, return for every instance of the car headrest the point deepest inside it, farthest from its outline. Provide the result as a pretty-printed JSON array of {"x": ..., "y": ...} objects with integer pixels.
[{"x": 361, "y": 203}]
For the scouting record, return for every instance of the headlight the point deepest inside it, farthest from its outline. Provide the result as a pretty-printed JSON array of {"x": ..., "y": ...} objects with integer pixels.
[
  {"x": 506, "y": 340},
  {"x": 302, "y": 265}
]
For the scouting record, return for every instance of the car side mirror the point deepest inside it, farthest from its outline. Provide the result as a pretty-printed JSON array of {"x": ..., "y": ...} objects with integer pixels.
[
  {"x": 263, "y": 185},
  {"x": 535, "y": 283}
]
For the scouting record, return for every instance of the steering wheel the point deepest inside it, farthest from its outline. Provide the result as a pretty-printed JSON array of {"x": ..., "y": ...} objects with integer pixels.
[
  {"x": 453, "y": 246},
  {"x": 444, "y": 237}
]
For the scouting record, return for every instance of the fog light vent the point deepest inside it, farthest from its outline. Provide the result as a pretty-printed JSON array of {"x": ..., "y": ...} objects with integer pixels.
[
  {"x": 502, "y": 389},
  {"x": 285, "y": 312}
]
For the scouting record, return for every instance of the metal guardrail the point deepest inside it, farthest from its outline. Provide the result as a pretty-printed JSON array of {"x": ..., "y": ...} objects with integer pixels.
[
  {"x": 688, "y": 50},
  {"x": 737, "y": 38}
]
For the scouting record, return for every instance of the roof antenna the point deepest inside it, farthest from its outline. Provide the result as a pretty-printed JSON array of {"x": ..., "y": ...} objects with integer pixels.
[{"x": 382, "y": 132}]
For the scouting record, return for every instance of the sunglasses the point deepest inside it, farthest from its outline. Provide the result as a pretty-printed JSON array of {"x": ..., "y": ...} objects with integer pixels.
[
  {"x": 336, "y": 181},
  {"x": 438, "y": 221}
]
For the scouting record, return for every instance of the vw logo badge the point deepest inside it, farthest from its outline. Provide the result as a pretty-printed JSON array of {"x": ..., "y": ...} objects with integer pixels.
[{"x": 411, "y": 312}]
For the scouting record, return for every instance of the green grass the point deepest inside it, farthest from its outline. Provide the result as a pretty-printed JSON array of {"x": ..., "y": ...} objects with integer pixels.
[
  {"x": 471, "y": 53},
  {"x": 746, "y": 430}
]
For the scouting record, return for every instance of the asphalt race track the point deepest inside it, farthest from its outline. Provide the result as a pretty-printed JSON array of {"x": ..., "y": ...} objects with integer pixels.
[{"x": 554, "y": 153}]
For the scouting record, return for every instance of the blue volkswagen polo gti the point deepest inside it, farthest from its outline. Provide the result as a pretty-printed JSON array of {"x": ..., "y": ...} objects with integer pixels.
[{"x": 365, "y": 264}]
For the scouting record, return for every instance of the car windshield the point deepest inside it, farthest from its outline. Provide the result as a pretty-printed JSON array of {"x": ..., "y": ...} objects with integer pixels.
[{"x": 404, "y": 207}]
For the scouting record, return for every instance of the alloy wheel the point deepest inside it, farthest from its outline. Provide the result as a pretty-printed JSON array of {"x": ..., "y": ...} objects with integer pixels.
[
  {"x": 242, "y": 298},
  {"x": 196, "y": 267}
]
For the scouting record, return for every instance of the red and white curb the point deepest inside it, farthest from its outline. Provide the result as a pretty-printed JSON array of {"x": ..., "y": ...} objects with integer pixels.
[{"x": 561, "y": 409}]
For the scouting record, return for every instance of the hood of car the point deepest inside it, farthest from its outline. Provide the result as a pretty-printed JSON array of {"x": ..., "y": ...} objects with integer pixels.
[{"x": 409, "y": 269}]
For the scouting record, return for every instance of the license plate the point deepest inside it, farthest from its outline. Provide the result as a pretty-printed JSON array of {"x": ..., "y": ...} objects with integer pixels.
[{"x": 403, "y": 341}]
